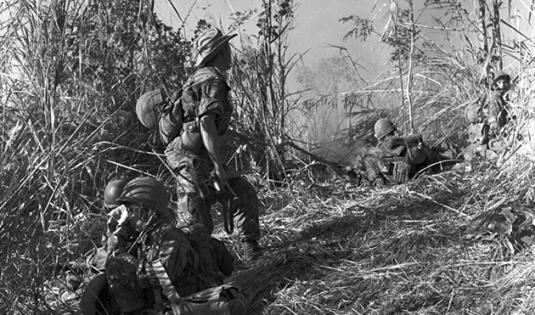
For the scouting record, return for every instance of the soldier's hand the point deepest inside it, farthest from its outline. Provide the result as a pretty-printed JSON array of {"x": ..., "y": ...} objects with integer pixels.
[
  {"x": 112, "y": 242},
  {"x": 221, "y": 178}
]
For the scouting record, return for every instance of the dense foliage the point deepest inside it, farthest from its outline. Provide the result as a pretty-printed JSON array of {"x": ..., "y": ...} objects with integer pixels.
[{"x": 68, "y": 121}]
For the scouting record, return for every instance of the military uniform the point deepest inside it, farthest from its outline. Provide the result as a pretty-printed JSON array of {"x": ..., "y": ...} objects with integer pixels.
[
  {"x": 406, "y": 155},
  {"x": 192, "y": 261},
  {"x": 206, "y": 92},
  {"x": 486, "y": 119}
]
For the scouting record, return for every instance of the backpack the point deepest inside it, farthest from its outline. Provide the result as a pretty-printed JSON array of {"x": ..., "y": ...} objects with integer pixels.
[
  {"x": 157, "y": 111},
  {"x": 171, "y": 120}
]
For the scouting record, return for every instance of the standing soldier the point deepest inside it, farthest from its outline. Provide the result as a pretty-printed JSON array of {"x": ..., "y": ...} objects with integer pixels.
[
  {"x": 497, "y": 110},
  {"x": 486, "y": 119},
  {"x": 192, "y": 128}
]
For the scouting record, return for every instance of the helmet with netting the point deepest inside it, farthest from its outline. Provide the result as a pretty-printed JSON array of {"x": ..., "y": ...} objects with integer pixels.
[
  {"x": 382, "y": 128},
  {"x": 146, "y": 192}
]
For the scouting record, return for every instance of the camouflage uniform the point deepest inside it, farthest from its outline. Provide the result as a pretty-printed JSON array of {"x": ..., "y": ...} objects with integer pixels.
[
  {"x": 406, "y": 155},
  {"x": 140, "y": 233},
  {"x": 192, "y": 262},
  {"x": 486, "y": 119},
  {"x": 206, "y": 92}
]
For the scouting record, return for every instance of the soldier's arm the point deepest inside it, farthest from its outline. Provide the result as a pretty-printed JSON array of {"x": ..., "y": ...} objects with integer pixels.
[
  {"x": 211, "y": 141},
  {"x": 412, "y": 139},
  {"x": 394, "y": 146}
]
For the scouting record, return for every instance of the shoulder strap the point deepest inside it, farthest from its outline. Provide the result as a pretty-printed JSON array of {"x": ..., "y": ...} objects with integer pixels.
[{"x": 167, "y": 286}]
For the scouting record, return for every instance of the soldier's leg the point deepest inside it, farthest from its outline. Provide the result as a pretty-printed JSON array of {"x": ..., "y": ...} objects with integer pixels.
[
  {"x": 245, "y": 209},
  {"x": 193, "y": 193}
]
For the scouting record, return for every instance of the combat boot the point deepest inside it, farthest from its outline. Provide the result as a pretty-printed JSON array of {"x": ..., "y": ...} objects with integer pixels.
[{"x": 251, "y": 250}]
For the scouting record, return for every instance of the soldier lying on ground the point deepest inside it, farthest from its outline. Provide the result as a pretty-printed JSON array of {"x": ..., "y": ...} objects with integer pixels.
[
  {"x": 396, "y": 159},
  {"x": 152, "y": 267}
]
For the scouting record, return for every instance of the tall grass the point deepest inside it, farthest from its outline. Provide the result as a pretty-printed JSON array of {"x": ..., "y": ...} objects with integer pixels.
[{"x": 68, "y": 126}]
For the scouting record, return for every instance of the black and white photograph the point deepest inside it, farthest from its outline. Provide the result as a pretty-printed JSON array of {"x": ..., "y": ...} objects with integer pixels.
[{"x": 267, "y": 157}]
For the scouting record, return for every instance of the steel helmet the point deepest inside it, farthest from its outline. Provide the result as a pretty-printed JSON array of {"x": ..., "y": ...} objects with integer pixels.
[
  {"x": 382, "y": 128},
  {"x": 473, "y": 112},
  {"x": 501, "y": 75},
  {"x": 147, "y": 192},
  {"x": 146, "y": 108},
  {"x": 112, "y": 192}
]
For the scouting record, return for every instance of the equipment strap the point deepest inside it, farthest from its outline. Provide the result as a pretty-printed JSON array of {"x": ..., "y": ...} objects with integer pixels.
[
  {"x": 167, "y": 286},
  {"x": 411, "y": 157}
]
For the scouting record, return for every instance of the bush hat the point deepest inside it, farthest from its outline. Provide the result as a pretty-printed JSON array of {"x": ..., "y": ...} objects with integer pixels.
[{"x": 209, "y": 43}]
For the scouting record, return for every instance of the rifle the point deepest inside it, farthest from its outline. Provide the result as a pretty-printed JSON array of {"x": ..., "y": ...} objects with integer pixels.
[{"x": 226, "y": 191}]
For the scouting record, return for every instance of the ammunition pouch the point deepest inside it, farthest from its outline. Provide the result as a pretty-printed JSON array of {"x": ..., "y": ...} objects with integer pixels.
[{"x": 399, "y": 170}]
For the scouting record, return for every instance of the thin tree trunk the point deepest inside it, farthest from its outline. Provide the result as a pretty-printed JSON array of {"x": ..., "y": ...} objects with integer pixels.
[
  {"x": 496, "y": 32},
  {"x": 409, "y": 74},
  {"x": 282, "y": 79},
  {"x": 483, "y": 26},
  {"x": 393, "y": 5}
]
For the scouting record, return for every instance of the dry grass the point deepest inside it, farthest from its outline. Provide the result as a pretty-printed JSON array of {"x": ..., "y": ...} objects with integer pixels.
[
  {"x": 337, "y": 248},
  {"x": 344, "y": 249}
]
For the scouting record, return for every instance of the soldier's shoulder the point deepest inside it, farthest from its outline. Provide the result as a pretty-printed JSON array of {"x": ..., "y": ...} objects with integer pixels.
[{"x": 205, "y": 74}]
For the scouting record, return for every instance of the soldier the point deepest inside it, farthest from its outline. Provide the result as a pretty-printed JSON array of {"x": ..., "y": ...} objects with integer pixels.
[
  {"x": 486, "y": 119},
  {"x": 112, "y": 192},
  {"x": 407, "y": 155},
  {"x": 146, "y": 248},
  {"x": 193, "y": 129},
  {"x": 497, "y": 110}
]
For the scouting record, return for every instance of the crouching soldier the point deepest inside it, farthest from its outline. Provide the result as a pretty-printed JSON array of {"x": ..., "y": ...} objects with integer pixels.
[
  {"x": 405, "y": 155},
  {"x": 153, "y": 267}
]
